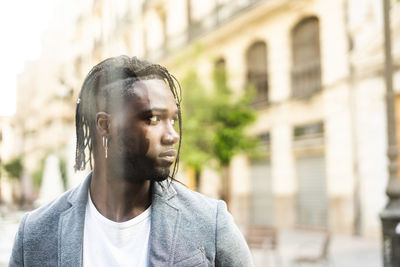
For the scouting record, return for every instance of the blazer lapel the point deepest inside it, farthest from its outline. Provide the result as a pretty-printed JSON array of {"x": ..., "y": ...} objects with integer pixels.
[
  {"x": 71, "y": 225},
  {"x": 165, "y": 219}
]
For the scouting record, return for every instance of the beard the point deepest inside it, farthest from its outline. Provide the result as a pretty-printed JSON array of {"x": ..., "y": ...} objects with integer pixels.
[
  {"x": 132, "y": 163},
  {"x": 137, "y": 168}
]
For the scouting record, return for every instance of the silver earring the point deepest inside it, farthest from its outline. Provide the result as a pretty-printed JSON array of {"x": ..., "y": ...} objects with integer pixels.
[{"x": 105, "y": 146}]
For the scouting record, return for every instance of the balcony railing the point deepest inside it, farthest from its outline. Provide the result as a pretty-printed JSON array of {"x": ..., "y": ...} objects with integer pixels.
[
  {"x": 306, "y": 79},
  {"x": 221, "y": 14},
  {"x": 259, "y": 81}
]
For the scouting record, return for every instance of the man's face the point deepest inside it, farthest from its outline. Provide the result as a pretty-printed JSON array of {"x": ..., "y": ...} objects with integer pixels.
[{"x": 143, "y": 136}]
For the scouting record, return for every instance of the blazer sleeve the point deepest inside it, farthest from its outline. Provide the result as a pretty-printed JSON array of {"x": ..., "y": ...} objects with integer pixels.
[
  {"x": 17, "y": 258},
  {"x": 231, "y": 247}
]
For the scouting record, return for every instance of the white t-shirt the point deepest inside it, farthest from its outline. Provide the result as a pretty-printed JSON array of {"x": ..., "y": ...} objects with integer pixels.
[{"x": 109, "y": 243}]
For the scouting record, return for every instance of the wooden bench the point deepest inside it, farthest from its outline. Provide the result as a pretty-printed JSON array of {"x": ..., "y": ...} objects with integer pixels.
[
  {"x": 264, "y": 238},
  {"x": 320, "y": 255}
]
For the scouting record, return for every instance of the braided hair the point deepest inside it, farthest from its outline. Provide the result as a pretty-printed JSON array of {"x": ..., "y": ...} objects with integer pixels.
[{"x": 123, "y": 71}]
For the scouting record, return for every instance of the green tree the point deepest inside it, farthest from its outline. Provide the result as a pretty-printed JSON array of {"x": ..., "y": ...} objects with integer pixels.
[
  {"x": 230, "y": 117},
  {"x": 214, "y": 125},
  {"x": 197, "y": 126},
  {"x": 14, "y": 168}
]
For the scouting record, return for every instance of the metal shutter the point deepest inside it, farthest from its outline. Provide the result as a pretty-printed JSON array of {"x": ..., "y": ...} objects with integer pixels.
[
  {"x": 311, "y": 205},
  {"x": 262, "y": 209}
]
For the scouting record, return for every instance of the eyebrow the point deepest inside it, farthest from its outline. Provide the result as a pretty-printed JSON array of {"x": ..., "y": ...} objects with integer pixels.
[{"x": 160, "y": 110}]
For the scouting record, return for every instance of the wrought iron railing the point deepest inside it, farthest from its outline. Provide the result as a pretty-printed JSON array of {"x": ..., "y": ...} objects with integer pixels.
[
  {"x": 221, "y": 14},
  {"x": 306, "y": 79},
  {"x": 259, "y": 82}
]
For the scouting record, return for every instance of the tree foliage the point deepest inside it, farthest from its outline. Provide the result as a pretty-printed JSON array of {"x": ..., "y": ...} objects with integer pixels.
[
  {"x": 214, "y": 124},
  {"x": 14, "y": 168},
  {"x": 231, "y": 117},
  {"x": 197, "y": 123}
]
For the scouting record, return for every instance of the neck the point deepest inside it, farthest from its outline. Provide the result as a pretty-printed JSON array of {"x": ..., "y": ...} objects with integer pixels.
[{"x": 116, "y": 198}]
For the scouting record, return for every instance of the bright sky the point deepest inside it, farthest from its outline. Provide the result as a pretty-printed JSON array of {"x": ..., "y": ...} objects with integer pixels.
[{"x": 21, "y": 23}]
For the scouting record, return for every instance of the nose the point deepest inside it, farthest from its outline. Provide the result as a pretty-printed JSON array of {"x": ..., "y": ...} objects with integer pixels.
[{"x": 170, "y": 136}]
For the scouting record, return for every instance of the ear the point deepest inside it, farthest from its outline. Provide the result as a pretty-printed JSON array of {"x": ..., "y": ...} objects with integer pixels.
[{"x": 103, "y": 123}]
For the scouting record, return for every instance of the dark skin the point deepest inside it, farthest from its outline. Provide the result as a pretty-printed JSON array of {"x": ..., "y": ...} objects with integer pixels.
[{"x": 141, "y": 137}]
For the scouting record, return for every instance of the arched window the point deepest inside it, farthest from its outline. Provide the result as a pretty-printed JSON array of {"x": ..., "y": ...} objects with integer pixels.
[
  {"x": 306, "y": 72},
  {"x": 256, "y": 61}
]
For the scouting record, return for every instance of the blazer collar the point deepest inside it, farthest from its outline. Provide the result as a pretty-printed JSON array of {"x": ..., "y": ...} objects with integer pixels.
[
  {"x": 164, "y": 190},
  {"x": 165, "y": 219},
  {"x": 71, "y": 225},
  {"x": 79, "y": 195}
]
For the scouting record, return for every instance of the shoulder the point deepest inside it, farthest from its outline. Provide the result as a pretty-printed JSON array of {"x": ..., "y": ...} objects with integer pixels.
[
  {"x": 37, "y": 232},
  {"x": 213, "y": 219},
  {"x": 191, "y": 199},
  {"x": 196, "y": 212},
  {"x": 191, "y": 202},
  {"x": 49, "y": 211},
  {"x": 49, "y": 214}
]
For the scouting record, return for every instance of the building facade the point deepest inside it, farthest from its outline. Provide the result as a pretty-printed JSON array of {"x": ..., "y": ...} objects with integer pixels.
[
  {"x": 317, "y": 66},
  {"x": 318, "y": 69}
]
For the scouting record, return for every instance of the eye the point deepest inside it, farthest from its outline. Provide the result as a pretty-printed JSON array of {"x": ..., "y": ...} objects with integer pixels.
[
  {"x": 174, "y": 120},
  {"x": 154, "y": 119}
]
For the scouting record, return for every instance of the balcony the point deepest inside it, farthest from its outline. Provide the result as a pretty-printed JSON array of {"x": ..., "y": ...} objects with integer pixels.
[{"x": 219, "y": 15}]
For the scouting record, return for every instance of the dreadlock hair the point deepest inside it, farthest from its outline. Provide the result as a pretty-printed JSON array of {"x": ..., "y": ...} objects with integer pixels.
[{"x": 112, "y": 76}]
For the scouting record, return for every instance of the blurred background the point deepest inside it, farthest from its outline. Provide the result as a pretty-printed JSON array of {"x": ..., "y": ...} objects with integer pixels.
[{"x": 285, "y": 111}]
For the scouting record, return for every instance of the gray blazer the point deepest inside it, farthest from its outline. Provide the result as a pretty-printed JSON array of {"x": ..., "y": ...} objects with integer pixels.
[{"x": 187, "y": 229}]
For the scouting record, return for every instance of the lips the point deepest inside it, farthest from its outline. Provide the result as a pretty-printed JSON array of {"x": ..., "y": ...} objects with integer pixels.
[{"x": 168, "y": 155}]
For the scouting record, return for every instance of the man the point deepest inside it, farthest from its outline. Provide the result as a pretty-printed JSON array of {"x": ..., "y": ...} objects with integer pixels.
[{"x": 129, "y": 211}]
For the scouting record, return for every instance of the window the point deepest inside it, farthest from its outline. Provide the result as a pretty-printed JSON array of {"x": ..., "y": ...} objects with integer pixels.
[
  {"x": 309, "y": 130},
  {"x": 308, "y": 136},
  {"x": 256, "y": 61},
  {"x": 306, "y": 72}
]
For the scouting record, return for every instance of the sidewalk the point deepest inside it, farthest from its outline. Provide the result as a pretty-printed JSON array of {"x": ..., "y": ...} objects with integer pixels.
[{"x": 344, "y": 251}]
